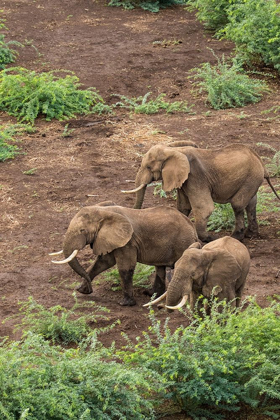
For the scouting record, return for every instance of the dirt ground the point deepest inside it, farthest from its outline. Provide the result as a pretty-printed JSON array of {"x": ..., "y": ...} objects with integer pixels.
[{"x": 118, "y": 52}]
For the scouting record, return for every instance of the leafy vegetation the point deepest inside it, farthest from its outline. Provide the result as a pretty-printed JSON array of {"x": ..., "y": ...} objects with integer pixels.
[
  {"x": 141, "y": 276},
  {"x": 40, "y": 381},
  {"x": 217, "y": 362},
  {"x": 142, "y": 105},
  {"x": 227, "y": 86},
  {"x": 149, "y": 5},
  {"x": 253, "y": 25},
  {"x": 8, "y": 148},
  {"x": 26, "y": 94},
  {"x": 58, "y": 324},
  {"x": 207, "y": 368}
]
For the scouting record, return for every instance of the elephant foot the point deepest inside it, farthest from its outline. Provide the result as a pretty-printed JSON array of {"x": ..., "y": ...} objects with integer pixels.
[
  {"x": 84, "y": 288},
  {"x": 127, "y": 301},
  {"x": 239, "y": 235},
  {"x": 251, "y": 233}
]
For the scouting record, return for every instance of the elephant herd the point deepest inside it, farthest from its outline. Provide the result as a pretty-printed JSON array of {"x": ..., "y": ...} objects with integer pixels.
[{"x": 164, "y": 237}]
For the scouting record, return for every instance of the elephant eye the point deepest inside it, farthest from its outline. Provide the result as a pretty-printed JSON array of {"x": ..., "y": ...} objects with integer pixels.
[
  {"x": 148, "y": 167},
  {"x": 82, "y": 231}
]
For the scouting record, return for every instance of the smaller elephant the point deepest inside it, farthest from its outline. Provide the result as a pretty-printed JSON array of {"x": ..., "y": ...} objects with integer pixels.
[
  {"x": 220, "y": 267},
  {"x": 123, "y": 236}
]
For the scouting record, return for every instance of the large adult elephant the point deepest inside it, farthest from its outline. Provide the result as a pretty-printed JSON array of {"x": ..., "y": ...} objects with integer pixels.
[
  {"x": 118, "y": 235},
  {"x": 220, "y": 267},
  {"x": 231, "y": 174}
]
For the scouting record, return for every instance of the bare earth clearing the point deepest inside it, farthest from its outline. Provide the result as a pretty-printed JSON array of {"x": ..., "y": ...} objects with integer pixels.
[{"x": 115, "y": 51}]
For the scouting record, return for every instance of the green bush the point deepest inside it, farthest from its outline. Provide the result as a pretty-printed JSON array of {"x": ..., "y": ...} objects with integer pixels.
[
  {"x": 212, "y": 12},
  {"x": 142, "y": 105},
  {"x": 227, "y": 86},
  {"x": 218, "y": 362},
  {"x": 254, "y": 26},
  {"x": 149, "y": 5},
  {"x": 26, "y": 94},
  {"x": 39, "y": 381}
]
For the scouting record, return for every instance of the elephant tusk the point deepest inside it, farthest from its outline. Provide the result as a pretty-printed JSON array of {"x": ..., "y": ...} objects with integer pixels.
[
  {"x": 135, "y": 190},
  {"x": 70, "y": 258},
  {"x": 182, "y": 303},
  {"x": 56, "y": 253},
  {"x": 156, "y": 300}
]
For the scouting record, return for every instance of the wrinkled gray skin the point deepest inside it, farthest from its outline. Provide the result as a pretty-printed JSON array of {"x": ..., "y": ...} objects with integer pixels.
[
  {"x": 232, "y": 175},
  {"x": 123, "y": 236},
  {"x": 222, "y": 264}
]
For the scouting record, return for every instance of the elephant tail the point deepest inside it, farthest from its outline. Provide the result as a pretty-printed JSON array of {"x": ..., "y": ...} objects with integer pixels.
[{"x": 270, "y": 184}]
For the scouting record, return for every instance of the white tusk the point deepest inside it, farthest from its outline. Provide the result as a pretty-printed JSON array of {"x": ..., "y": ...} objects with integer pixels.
[
  {"x": 135, "y": 190},
  {"x": 182, "y": 303},
  {"x": 73, "y": 255},
  {"x": 56, "y": 253},
  {"x": 156, "y": 300}
]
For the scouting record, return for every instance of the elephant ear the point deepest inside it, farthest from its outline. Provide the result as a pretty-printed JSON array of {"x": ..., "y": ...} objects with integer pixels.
[
  {"x": 175, "y": 171},
  {"x": 223, "y": 269},
  {"x": 114, "y": 231}
]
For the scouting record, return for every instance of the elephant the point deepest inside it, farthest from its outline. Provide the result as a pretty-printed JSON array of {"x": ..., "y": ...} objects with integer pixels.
[
  {"x": 219, "y": 267},
  {"x": 123, "y": 236},
  {"x": 230, "y": 174}
]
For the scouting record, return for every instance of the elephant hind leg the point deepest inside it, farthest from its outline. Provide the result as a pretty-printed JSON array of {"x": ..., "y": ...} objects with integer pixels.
[
  {"x": 239, "y": 229},
  {"x": 252, "y": 229}
]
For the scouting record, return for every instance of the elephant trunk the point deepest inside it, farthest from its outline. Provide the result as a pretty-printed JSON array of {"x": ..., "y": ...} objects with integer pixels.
[
  {"x": 140, "y": 198},
  {"x": 177, "y": 289},
  {"x": 68, "y": 247},
  {"x": 143, "y": 177}
]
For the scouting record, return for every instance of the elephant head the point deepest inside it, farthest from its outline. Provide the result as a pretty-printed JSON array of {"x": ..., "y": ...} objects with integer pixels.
[
  {"x": 161, "y": 163},
  {"x": 201, "y": 271},
  {"x": 101, "y": 228}
]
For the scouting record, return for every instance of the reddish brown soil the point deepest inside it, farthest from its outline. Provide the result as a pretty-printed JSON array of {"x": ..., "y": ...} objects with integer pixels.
[{"x": 115, "y": 51}]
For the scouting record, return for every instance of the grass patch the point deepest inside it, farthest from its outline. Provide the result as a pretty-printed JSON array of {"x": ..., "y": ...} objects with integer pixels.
[
  {"x": 8, "y": 134},
  {"x": 274, "y": 163},
  {"x": 223, "y": 217},
  {"x": 142, "y": 105},
  {"x": 141, "y": 276},
  {"x": 26, "y": 94},
  {"x": 227, "y": 86},
  {"x": 58, "y": 324}
]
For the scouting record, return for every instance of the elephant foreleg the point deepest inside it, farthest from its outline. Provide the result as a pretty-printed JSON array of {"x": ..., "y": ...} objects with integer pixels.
[
  {"x": 252, "y": 229},
  {"x": 102, "y": 263},
  {"x": 126, "y": 262},
  {"x": 183, "y": 203}
]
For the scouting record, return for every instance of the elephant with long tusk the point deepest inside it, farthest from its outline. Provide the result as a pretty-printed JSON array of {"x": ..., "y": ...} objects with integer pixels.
[
  {"x": 118, "y": 235},
  {"x": 220, "y": 267},
  {"x": 201, "y": 177}
]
